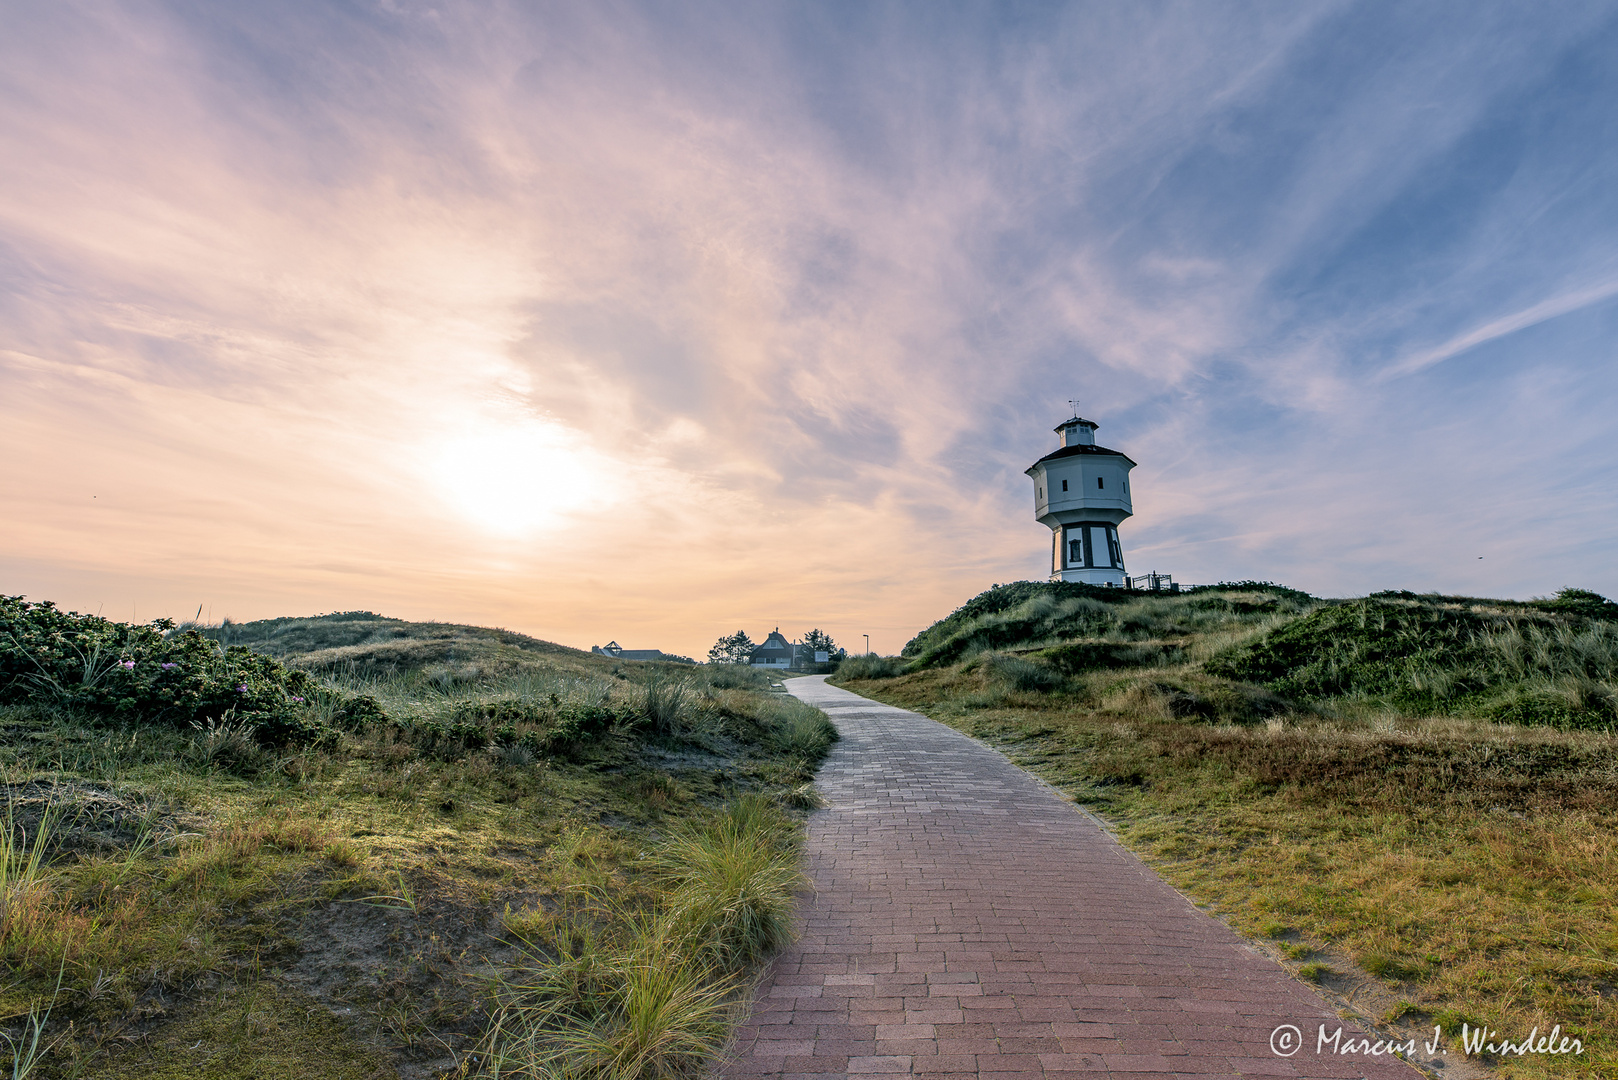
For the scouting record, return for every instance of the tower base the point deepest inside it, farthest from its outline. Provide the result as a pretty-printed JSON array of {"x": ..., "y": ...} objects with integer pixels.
[{"x": 1094, "y": 575}]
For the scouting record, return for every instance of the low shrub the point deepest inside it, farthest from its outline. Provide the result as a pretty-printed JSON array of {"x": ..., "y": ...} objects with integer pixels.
[
  {"x": 581, "y": 725},
  {"x": 1590, "y": 605},
  {"x": 151, "y": 674},
  {"x": 358, "y": 711},
  {"x": 1075, "y": 657},
  {"x": 537, "y": 727},
  {"x": 501, "y": 712}
]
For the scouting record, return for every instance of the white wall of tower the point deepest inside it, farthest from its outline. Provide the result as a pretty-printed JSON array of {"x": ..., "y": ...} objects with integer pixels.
[{"x": 1093, "y": 483}]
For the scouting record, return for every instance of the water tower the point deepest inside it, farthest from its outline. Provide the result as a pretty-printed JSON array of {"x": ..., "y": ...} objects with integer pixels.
[{"x": 1081, "y": 493}]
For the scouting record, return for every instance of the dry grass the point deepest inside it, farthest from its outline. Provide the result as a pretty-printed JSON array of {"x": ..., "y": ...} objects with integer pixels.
[
  {"x": 1471, "y": 866},
  {"x": 189, "y": 874}
]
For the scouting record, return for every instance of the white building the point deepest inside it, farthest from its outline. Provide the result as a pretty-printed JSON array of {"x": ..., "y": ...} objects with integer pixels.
[{"x": 1081, "y": 493}]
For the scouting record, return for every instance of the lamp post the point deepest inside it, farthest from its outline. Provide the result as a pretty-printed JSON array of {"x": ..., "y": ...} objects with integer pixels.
[{"x": 867, "y": 644}]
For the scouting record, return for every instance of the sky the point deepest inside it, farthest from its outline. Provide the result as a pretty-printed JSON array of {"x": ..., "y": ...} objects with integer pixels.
[{"x": 652, "y": 322}]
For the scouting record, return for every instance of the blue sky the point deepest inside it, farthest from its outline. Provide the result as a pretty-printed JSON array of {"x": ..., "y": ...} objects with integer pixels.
[{"x": 653, "y": 321}]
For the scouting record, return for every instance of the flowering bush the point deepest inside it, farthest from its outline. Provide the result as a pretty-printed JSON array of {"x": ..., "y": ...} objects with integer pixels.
[{"x": 153, "y": 674}]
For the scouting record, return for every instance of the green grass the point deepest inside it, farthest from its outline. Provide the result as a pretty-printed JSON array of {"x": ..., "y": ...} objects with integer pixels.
[
  {"x": 368, "y": 639},
  {"x": 1537, "y": 662},
  {"x": 1519, "y": 662},
  {"x": 1281, "y": 760},
  {"x": 251, "y": 1028},
  {"x": 1026, "y": 614},
  {"x": 217, "y": 906}
]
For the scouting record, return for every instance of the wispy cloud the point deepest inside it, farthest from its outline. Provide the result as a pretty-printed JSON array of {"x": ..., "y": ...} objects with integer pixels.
[
  {"x": 649, "y": 323},
  {"x": 1551, "y": 308}
]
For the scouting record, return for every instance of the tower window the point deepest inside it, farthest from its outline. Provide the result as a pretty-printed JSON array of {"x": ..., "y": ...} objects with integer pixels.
[
  {"x": 1064, "y": 485},
  {"x": 1100, "y": 483}
]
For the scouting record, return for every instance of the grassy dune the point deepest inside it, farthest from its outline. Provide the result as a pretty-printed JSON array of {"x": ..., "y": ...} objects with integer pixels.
[
  {"x": 462, "y": 852},
  {"x": 1412, "y": 800},
  {"x": 366, "y": 640}
]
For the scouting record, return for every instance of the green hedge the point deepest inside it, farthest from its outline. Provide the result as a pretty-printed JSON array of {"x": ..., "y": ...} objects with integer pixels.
[{"x": 157, "y": 674}]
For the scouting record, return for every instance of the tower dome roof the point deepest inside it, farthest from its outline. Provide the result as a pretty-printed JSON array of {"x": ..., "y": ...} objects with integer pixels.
[{"x": 1084, "y": 448}]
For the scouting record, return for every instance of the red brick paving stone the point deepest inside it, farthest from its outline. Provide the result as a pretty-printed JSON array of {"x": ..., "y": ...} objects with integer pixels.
[{"x": 967, "y": 922}]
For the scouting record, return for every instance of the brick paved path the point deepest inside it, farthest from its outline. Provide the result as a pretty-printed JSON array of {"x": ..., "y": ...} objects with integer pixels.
[{"x": 968, "y": 922}]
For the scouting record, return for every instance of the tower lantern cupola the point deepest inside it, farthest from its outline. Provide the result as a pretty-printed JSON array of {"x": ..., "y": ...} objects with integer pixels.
[
  {"x": 1077, "y": 432},
  {"x": 1081, "y": 493}
]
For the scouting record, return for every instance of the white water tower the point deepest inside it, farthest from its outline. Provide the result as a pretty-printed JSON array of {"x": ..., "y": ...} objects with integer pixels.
[{"x": 1081, "y": 493}]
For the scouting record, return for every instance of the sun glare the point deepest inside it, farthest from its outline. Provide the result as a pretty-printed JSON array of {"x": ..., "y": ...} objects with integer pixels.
[{"x": 514, "y": 480}]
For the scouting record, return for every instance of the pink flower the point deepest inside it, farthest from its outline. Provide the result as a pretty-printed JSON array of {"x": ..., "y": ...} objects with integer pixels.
[
  {"x": 166, "y": 667},
  {"x": 242, "y": 688},
  {"x": 297, "y": 699},
  {"x": 129, "y": 664}
]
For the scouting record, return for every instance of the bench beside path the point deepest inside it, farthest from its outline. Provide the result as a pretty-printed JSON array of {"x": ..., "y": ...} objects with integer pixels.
[{"x": 968, "y": 922}]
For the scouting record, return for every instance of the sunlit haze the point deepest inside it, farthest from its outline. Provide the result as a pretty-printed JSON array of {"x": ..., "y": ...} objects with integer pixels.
[{"x": 652, "y": 322}]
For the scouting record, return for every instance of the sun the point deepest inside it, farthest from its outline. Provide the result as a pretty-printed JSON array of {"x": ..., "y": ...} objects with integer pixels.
[{"x": 518, "y": 479}]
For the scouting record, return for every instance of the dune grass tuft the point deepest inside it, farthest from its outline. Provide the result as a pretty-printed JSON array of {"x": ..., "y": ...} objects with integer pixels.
[
  {"x": 623, "y": 995},
  {"x": 733, "y": 880},
  {"x": 872, "y": 666}
]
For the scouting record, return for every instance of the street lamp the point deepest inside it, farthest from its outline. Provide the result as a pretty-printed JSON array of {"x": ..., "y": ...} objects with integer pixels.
[{"x": 867, "y": 644}]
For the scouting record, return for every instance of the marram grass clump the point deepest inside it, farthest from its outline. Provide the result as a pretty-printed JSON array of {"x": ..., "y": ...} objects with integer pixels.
[
  {"x": 872, "y": 666},
  {"x": 733, "y": 879},
  {"x": 621, "y": 995}
]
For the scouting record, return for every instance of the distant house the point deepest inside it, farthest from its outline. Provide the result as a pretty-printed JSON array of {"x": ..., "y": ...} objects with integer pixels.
[
  {"x": 618, "y": 652},
  {"x": 777, "y": 653},
  {"x": 774, "y": 651}
]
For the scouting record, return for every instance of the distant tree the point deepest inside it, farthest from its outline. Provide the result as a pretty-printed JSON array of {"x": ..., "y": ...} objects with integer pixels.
[
  {"x": 820, "y": 641},
  {"x": 734, "y": 648}
]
